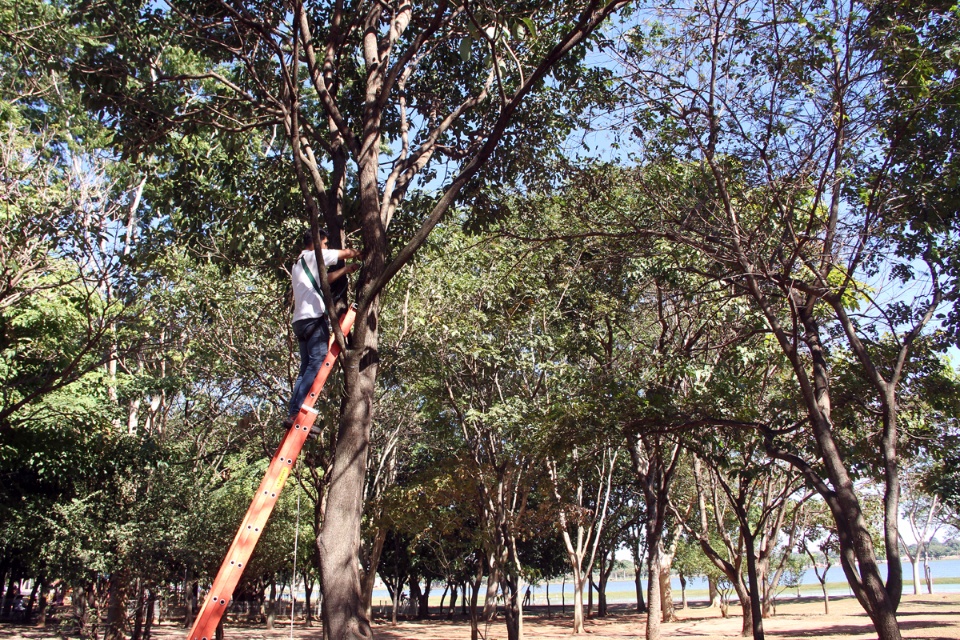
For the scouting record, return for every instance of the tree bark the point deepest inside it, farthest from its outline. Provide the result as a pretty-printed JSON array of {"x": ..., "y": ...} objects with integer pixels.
[
  {"x": 116, "y": 624},
  {"x": 654, "y": 610},
  {"x": 666, "y": 589},
  {"x": 339, "y": 542}
]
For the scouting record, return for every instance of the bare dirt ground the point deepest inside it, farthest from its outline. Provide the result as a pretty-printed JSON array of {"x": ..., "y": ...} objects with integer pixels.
[{"x": 928, "y": 617}]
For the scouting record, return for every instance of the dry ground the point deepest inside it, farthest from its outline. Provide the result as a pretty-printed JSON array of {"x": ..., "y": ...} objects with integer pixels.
[{"x": 931, "y": 617}]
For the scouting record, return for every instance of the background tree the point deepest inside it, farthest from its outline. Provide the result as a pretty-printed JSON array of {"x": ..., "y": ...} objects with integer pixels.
[{"x": 798, "y": 231}]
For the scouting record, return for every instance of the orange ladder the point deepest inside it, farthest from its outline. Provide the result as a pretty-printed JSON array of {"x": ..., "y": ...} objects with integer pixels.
[{"x": 205, "y": 626}]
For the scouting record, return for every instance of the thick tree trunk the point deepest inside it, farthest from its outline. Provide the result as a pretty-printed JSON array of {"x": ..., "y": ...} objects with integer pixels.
[
  {"x": 272, "y": 605},
  {"x": 743, "y": 596},
  {"x": 423, "y": 601},
  {"x": 578, "y": 583},
  {"x": 117, "y": 609},
  {"x": 416, "y": 596},
  {"x": 512, "y": 613},
  {"x": 857, "y": 553},
  {"x": 669, "y": 613},
  {"x": 490, "y": 598},
  {"x": 713, "y": 591},
  {"x": 653, "y": 594},
  {"x": 339, "y": 542}
]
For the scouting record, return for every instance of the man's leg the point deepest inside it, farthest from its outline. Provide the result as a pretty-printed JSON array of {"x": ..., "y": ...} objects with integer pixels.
[
  {"x": 312, "y": 352},
  {"x": 298, "y": 391}
]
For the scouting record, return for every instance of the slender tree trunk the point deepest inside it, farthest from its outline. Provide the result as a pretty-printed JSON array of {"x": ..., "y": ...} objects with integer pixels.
[
  {"x": 915, "y": 565},
  {"x": 606, "y": 568},
  {"x": 891, "y": 498},
  {"x": 8, "y": 595},
  {"x": 190, "y": 593},
  {"x": 589, "y": 596},
  {"x": 753, "y": 581},
  {"x": 31, "y": 602},
  {"x": 138, "y": 613},
  {"x": 307, "y": 599},
  {"x": 638, "y": 582},
  {"x": 151, "y": 607},
  {"x": 370, "y": 575},
  {"x": 42, "y": 604},
  {"x": 81, "y": 610},
  {"x": 474, "y": 610}
]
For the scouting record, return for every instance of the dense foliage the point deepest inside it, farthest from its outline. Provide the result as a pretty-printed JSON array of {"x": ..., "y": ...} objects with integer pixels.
[{"x": 725, "y": 354}]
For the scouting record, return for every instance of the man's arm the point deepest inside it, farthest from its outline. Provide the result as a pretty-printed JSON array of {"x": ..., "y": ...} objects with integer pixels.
[
  {"x": 332, "y": 256},
  {"x": 342, "y": 271}
]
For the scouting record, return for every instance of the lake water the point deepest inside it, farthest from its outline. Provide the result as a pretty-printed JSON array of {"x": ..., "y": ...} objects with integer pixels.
[{"x": 809, "y": 585}]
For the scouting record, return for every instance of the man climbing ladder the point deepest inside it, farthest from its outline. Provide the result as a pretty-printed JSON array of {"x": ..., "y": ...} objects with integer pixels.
[
  {"x": 309, "y": 327},
  {"x": 204, "y": 627}
]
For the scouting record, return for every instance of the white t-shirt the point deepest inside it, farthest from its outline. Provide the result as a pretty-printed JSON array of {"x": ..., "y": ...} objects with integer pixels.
[{"x": 307, "y": 303}]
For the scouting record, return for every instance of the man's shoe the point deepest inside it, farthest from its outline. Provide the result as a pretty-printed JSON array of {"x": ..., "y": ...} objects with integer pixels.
[{"x": 288, "y": 422}]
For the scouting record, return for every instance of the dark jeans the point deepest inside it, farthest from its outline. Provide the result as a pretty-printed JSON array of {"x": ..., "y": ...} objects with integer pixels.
[{"x": 313, "y": 334}]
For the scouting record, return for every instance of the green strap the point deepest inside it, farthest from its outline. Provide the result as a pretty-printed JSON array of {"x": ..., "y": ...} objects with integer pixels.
[{"x": 313, "y": 281}]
